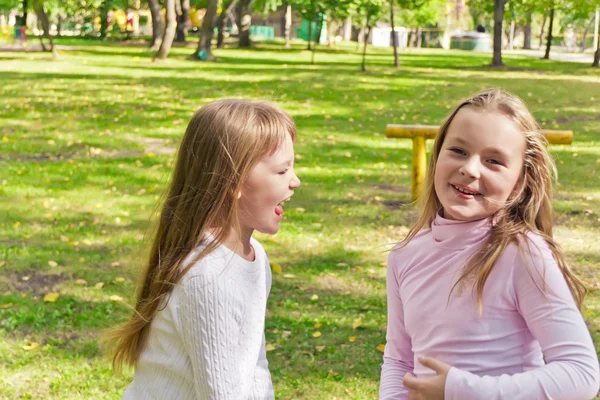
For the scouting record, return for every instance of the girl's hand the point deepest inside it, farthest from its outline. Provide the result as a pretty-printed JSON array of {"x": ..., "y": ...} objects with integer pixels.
[{"x": 427, "y": 388}]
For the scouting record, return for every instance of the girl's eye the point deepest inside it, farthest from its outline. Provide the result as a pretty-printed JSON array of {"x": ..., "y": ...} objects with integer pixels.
[
  {"x": 494, "y": 161},
  {"x": 283, "y": 172},
  {"x": 457, "y": 151}
]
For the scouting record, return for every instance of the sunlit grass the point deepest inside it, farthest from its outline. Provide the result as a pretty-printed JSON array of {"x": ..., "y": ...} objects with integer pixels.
[{"x": 87, "y": 145}]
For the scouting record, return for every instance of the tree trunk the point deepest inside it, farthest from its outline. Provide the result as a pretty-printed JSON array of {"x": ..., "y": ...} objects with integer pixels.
[
  {"x": 59, "y": 25},
  {"x": 25, "y": 8},
  {"x": 244, "y": 23},
  {"x": 170, "y": 26},
  {"x": 221, "y": 22},
  {"x": 585, "y": 32},
  {"x": 309, "y": 35},
  {"x": 158, "y": 24},
  {"x": 331, "y": 28},
  {"x": 498, "y": 19},
  {"x": 413, "y": 37},
  {"x": 542, "y": 30},
  {"x": 364, "y": 57},
  {"x": 43, "y": 17},
  {"x": 511, "y": 34},
  {"x": 549, "y": 42},
  {"x": 394, "y": 41},
  {"x": 104, "y": 18},
  {"x": 182, "y": 20},
  {"x": 204, "y": 49},
  {"x": 527, "y": 36},
  {"x": 288, "y": 26},
  {"x": 597, "y": 56},
  {"x": 347, "y": 30},
  {"x": 419, "y": 37},
  {"x": 319, "y": 29}
]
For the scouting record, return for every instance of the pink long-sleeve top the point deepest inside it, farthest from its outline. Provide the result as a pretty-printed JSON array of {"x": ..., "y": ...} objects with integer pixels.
[{"x": 528, "y": 343}]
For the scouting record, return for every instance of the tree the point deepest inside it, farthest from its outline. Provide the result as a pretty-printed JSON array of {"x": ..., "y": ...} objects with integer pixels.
[
  {"x": 204, "y": 49},
  {"x": 498, "y": 20},
  {"x": 40, "y": 11},
  {"x": 227, "y": 8},
  {"x": 371, "y": 11},
  {"x": 169, "y": 33},
  {"x": 158, "y": 24},
  {"x": 310, "y": 11},
  {"x": 549, "y": 42},
  {"x": 394, "y": 38},
  {"x": 244, "y": 22},
  {"x": 104, "y": 18},
  {"x": 183, "y": 13},
  {"x": 596, "y": 61},
  {"x": 288, "y": 25}
]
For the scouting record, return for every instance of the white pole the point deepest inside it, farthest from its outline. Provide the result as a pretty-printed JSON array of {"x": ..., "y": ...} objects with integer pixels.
[{"x": 596, "y": 28}]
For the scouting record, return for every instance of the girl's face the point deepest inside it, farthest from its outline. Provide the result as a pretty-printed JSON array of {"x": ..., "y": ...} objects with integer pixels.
[
  {"x": 271, "y": 182},
  {"x": 479, "y": 165}
]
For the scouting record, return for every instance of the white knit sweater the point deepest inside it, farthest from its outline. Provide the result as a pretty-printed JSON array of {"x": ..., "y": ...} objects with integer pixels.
[{"x": 208, "y": 342}]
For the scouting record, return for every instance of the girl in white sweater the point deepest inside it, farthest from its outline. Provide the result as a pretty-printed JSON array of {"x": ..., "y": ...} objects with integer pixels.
[{"x": 198, "y": 327}]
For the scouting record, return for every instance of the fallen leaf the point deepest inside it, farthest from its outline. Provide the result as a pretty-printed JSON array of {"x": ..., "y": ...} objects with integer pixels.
[
  {"x": 318, "y": 325},
  {"x": 5, "y": 306},
  {"x": 300, "y": 210},
  {"x": 81, "y": 282},
  {"x": 381, "y": 347},
  {"x": 99, "y": 285},
  {"x": 314, "y": 297},
  {"x": 31, "y": 346},
  {"x": 352, "y": 339},
  {"x": 115, "y": 264},
  {"x": 320, "y": 348},
  {"x": 276, "y": 268},
  {"x": 119, "y": 279},
  {"x": 357, "y": 322},
  {"x": 316, "y": 334},
  {"x": 286, "y": 334},
  {"x": 289, "y": 276},
  {"x": 51, "y": 297},
  {"x": 269, "y": 347},
  {"x": 114, "y": 297},
  {"x": 25, "y": 278},
  {"x": 52, "y": 263}
]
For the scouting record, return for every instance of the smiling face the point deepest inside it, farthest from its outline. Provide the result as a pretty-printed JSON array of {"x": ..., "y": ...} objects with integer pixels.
[
  {"x": 271, "y": 182},
  {"x": 480, "y": 162}
]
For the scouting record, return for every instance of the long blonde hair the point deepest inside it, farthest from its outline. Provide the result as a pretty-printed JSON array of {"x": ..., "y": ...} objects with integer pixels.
[
  {"x": 224, "y": 140},
  {"x": 530, "y": 210}
]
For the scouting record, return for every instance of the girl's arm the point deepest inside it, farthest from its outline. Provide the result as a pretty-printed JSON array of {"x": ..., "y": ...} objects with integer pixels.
[
  {"x": 571, "y": 371},
  {"x": 398, "y": 358},
  {"x": 209, "y": 315}
]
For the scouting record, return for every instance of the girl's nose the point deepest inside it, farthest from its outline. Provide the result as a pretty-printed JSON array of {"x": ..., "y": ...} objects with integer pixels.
[
  {"x": 470, "y": 168},
  {"x": 295, "y": 182}
]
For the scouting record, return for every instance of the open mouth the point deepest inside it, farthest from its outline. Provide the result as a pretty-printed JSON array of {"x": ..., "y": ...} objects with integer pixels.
[
  {"x": 279, "y": 207},
  {"x": 465, "y": 190}
]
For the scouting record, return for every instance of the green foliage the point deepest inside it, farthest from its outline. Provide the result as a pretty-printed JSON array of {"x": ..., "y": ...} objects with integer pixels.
[{"x": 426, "y": 14}]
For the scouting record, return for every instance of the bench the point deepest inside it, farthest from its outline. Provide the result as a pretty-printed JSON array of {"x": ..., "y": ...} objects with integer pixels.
[{"x": 420, "y": 133}]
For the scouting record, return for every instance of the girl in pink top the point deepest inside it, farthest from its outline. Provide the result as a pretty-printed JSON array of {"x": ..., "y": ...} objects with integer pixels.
[{"x": 481, "y": 303}]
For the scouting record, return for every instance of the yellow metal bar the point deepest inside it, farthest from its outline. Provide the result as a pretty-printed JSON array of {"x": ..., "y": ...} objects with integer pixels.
[
  {"x": 419, "y": 166},
  {"x": 430, "y": 131},
  {"x": 420, "y": 133}
]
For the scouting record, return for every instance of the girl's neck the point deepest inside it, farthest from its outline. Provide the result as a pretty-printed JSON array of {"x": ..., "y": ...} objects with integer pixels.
[{"x": 238, "y": 242}]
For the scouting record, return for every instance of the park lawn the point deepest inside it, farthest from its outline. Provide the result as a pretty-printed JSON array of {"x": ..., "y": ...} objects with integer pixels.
[{"x": 87, "y": 144}]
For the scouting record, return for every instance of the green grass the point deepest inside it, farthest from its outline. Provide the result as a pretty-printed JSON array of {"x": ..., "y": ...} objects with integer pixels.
[{"x": 86, "y": 147}]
